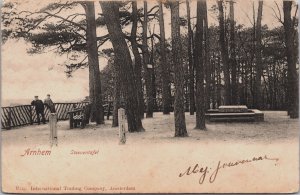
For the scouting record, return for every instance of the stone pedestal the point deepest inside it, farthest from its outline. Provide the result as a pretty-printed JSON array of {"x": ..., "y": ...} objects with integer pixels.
[
  {"x": 122, "y": 118},
  {"x": 53, "y": 128}
]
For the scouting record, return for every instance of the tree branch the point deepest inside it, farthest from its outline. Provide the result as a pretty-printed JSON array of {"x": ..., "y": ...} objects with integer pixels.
[
  {"x": 153, "y": 9},
  {"x": 102, "y": 37},
  {"x": 71, "y": 22},
  {"x": 279, "y": 12}
]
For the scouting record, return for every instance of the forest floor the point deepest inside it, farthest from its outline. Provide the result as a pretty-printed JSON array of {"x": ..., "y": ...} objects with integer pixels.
[
  {"x": 276, "y": 127},
  {"x": 156, "y": 155}
]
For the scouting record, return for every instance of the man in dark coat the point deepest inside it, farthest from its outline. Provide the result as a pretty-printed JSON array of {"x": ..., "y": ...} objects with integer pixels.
[{"x": 39, "y": 109}]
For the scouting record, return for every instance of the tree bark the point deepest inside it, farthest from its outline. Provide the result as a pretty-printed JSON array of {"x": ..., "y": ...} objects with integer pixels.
[
  {"x": 292, "y": 77},
  {"x": 123, "y": 60},
  {"x": 207, "y": 67},
  {"x": 191, "y": 63},
  {"x": 147, "y": 71},
  {"x": 166, "y": 85},
  {"x": 224, "y": 54},
  {"x": 258, "y": 55},
  {"x": 234, "y": 86},
  {"x": 137, "y": 59},
  {"x": 180, "y": 126},
  {"x": 218, "y": 70},
  {"x": 214, "y": 78},
  {"x": 199, "y": 65},
  {"x": 97, "y": 112},
  {"x": 252, "y": 65},
  {"x": 153, "y": 74},
  {"x": 117, "y": 95}
]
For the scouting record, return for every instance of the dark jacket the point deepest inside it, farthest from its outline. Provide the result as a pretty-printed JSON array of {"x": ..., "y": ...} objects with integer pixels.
[
  {"x": 39, "y": 105},
  {"x": 50, "y": 105}
]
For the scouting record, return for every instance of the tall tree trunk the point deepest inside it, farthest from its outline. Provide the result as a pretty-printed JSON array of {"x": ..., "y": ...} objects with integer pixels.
[
  {"x": 292, "y": 77},
  {"x": 92, "y": 93},
  {"x": 244, "y": 84},
  {"x": 252, "y": 84},
  {"x": 153, "y": 75},
  {"x": 166, "y": 84},
  {"x": 123, "y": 60},
  {"x": 258, "y": 54},
  {"x": 224, "y": 54},
  {"x": 191, "y": 63},
  {"x": 180, "y": 126},
  {"x": 207, "y": 67},
  {"x": 214, "y": 77},
  {"x": 234, "y": 86},
  {"x": 97, "y": 112},
  {"x": 218, "y": 70},
  {"x": 147, "y": 70},
  {"x": 117, "y": 95},
  {"x": 137, "y": 59},
  {"x": 199, "y": 65}
]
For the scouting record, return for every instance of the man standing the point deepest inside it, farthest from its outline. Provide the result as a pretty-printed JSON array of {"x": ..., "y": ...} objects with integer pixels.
[
  {"x": 49, "y": 104},
  {"x": 39, "y": 109},
  {"x": 52, "y": 120}
]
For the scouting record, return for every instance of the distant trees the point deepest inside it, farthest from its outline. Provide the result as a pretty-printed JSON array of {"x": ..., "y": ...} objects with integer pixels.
[{"x": 243, "y": 50}]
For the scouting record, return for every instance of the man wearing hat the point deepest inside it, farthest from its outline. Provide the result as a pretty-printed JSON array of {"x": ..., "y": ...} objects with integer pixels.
[
  {"x": 39, "y": 109},
  {"x": 49, "y": 104}
]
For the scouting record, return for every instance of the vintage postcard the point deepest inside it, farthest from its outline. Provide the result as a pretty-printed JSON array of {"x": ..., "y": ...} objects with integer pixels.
[{"x": 179, "y": 96}]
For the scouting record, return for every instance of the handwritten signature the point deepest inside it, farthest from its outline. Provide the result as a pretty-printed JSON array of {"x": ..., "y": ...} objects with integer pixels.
[{"x": 205, "y": 170}]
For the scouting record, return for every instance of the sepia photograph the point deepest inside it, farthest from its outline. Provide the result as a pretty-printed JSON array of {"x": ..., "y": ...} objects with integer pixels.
[{"x": 149, "y": 96}]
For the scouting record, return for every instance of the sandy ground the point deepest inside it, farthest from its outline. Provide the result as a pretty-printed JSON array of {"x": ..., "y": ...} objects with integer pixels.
[{"x": 152, "y": 161}]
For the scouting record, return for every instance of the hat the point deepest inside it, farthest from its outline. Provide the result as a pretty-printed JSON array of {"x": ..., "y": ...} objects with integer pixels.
[
  {"x": 48, "y": 94},
  {"x": 36, "y": 96}
]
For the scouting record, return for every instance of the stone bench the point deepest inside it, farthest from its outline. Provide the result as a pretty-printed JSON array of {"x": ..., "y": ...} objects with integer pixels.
[
  {"x": 233, "y": 108},
  {"x": 234, "y": 113},
  {"x": 230, "y": 117}
]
